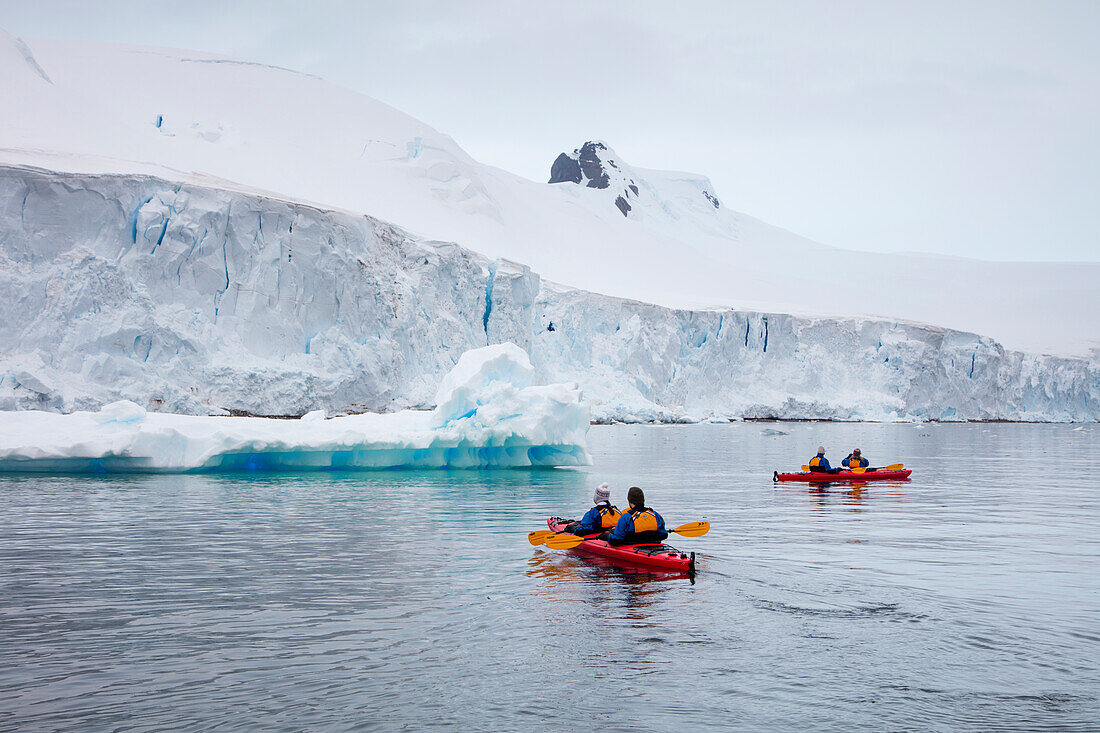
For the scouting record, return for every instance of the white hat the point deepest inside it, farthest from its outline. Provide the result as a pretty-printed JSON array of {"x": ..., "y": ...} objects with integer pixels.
[
  {"x": 820, "y": 449},
  {"x": 603, "y": 493}
]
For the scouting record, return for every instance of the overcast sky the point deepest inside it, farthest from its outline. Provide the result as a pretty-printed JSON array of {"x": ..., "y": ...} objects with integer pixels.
[{"x": 966, "y": 128}]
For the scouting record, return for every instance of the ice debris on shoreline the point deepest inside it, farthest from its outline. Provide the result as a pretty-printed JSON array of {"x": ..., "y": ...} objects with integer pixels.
[{"x": 488, "y": 415}]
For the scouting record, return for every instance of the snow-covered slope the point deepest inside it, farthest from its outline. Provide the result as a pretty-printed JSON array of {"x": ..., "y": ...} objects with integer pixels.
[
  {"x": 244, "y": 127},
  {"x": 200, "y": 300}
]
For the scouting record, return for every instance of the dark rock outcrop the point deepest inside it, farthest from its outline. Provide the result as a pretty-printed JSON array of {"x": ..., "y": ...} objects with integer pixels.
[
  {"x": 593, "y": 165},
  {"x": 565, "y": 170}
]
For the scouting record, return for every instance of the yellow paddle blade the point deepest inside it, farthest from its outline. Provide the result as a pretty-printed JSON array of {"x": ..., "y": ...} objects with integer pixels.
[
  {"x": 805, "y": 468},
  {"x": 539, "y": 536},
  {"x": 693, "y": 529},
  {"x": 563, "y": 541},
  {"x": 895, "y": 467},
  {"x": 858, "y": 469}
]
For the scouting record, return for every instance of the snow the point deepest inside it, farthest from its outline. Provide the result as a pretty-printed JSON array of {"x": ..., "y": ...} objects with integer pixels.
[
  {"x": 157, "y": 246},
  {"x": 505, "y": 422},
  {"x": 185, "y": 299},
  {"x": 461, "y": 391},
  {"x": 252, "y": 129}
]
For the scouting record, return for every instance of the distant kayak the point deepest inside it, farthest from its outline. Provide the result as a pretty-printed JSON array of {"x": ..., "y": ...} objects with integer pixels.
[
  {"x": 654, "y": 555},
  {"x": 871, "y": 474}
]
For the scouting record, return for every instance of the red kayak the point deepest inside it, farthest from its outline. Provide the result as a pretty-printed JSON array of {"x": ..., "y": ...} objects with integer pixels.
[
  {"x": 650, "y": 555},
  {"x": 871, "y": 474}
]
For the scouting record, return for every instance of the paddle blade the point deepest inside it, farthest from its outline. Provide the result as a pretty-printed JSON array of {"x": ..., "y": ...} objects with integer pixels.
[
  {"x": 693, "y": 529},
  {"x": 539, "y": 536},
  {"x": 858, "y": 469},
  {"x": 563, "y": 541},
  {"x": 895, "y": 467},
  {"x": 805, "y": 468}
]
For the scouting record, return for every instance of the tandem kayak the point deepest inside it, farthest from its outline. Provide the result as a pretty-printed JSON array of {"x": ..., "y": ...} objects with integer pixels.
[
  {"x": 649, "y": 554},
  {"x": 870, "y": 474}
]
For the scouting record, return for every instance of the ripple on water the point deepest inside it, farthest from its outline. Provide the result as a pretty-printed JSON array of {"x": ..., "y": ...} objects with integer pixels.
[{"x": 964, "y": 599}]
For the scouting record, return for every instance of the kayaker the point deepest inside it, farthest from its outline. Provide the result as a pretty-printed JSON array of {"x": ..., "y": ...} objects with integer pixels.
[
  {"x": 638, "y": 524},
  {"x": 819, "y": 463},
  {"x": 855, "y": 460},
  {"x": 601, "y": 517}
]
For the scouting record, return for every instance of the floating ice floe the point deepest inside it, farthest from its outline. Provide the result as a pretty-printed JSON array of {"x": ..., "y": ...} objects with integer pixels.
[{"x": 488, "y": 415}]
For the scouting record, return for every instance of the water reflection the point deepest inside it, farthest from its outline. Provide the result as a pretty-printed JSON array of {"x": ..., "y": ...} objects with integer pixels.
[
  {"x": 577, "y": 567},
  {"x": 597, "y": 585},
  {"x": 853, "y": 495}
]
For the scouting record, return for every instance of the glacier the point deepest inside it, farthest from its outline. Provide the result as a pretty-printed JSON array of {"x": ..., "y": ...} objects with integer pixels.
[
  {"x": 489, "y": 414},
  {"x": 200, "y": 300},
  {"x": 201, "y": 252},
  {"x": 90, "y": 108}
]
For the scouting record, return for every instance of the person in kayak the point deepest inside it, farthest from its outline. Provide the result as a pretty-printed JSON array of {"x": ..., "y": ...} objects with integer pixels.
[
  {"x": 601, "y": 517},
  {"x": 819, "y": 463},
  {"x": 639, "y": 524},
  {"x": 855, "y": 460}
]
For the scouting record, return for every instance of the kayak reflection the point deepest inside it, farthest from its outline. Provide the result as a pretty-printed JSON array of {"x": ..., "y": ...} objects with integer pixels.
[{"x": 853, "y": 495}]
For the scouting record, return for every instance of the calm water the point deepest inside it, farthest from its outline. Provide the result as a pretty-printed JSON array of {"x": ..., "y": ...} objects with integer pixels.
[{"x": 968, "y": 598}]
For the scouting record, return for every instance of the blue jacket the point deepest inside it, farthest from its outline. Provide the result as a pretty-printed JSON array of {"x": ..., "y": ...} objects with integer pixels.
[
  {"x": 592, "y": 521},
  {"x": 851, "y": 462},
  {"x": 638, "y": 525},
  {"x": 820, "y": 463}
]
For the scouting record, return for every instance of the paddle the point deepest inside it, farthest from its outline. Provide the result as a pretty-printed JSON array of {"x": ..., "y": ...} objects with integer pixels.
[
  {"x": 891, "y": 467},
  {"x": 569, "y": 541},
  {"x": 542, "y": 536},
  {"x": 538, "y": 537}
]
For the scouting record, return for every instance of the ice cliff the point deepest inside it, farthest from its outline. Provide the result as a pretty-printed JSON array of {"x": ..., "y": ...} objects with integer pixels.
[{"x": 191, "y": 299}]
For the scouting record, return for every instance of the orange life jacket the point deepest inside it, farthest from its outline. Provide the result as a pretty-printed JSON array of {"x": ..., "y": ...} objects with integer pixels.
[
  {"x": 609, "y": 516},
  {"x": 645, "y": 520}
]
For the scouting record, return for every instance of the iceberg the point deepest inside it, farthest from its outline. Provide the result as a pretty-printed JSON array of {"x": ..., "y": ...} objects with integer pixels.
[{"x": 488, "y": 415}]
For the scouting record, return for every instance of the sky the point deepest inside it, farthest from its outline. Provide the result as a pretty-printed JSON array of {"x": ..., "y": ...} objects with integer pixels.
[{"x": 961, "y": 128}]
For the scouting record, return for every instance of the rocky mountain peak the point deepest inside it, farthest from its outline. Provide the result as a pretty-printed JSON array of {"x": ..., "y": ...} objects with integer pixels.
[{"x": 596, "y": 166}]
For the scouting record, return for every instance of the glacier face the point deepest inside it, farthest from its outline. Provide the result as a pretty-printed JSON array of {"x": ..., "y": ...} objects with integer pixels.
[
  {"x": 195, "y": 299},
  {"x": 200, "y": 300}
]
